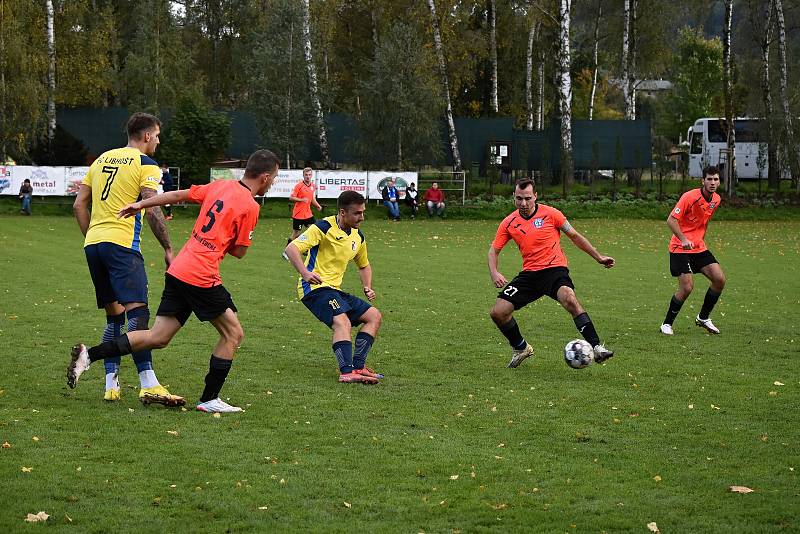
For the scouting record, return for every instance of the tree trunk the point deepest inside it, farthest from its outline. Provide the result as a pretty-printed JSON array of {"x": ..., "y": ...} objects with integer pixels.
[
  {"x": 773, "y": 170},
  {"x": 730, "y": 170},
  {"x": 529, "y": 76},
  {"x": 437, "y": 41},
  {"x": 51, "y": 73},
  {"x": 540, "y": 92},
  {"x": 789, "y": 143},
  {"x": 595, "y": 55},
  {"x": 312, "y": 85},
  {"x": 3, "y": 133},
  {"x": 493, "y": 53},
  {"x": 565, "y": 94},
  {"x": 399, "y": 147},
  {"x": 629, "y": 59},
  {"x": 287, "y": 146}
]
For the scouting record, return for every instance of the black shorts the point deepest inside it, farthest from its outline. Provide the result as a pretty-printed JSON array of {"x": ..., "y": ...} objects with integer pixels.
[
  {"x": 180, "y": 300},
  {"x": 298, "y": 224},
  {"x": 689, "y": 262},
  {"x": 529, "y": 286}
]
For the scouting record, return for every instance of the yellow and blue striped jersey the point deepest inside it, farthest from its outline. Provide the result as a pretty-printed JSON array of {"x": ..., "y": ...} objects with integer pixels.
[
  {"x": 330, "y": 249},
  {"x": 117, "y": 178}
]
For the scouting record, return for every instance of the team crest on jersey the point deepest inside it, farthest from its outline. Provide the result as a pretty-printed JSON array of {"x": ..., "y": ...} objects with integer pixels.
[
  {"x": 303, "y": 238},
  {"x": 353, "y": 243},
  {"x": 712, "y": 205},
  {"x": 538, "y": 223},
  {"x": 677, "y": 210}
]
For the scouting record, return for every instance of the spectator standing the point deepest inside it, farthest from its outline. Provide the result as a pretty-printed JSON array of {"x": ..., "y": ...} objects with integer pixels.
[{"x": 168, "y": 185}]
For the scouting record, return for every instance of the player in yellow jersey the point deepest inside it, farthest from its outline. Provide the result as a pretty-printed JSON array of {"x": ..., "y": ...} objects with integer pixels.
[
  {"x": 331, "y": 244},
  {"x": 112, "y": 246}
]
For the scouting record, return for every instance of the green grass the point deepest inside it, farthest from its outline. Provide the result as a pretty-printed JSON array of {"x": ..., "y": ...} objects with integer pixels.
[{"x": 658, "y": 434}]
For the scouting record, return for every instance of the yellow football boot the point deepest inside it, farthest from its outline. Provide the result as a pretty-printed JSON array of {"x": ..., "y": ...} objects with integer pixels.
[{"x": 160, "y": 395}]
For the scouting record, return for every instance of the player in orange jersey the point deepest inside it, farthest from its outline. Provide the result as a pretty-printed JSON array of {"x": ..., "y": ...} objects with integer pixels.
[
  {"x": 303, "y": 196},
  {"x": 688, "y": 253},
  {"x": 228, "y": 215},
  {"x": 535, "y": 228}
]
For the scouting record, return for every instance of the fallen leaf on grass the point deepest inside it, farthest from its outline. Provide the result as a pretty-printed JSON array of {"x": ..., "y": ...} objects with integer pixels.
[
  {"x": 263, "y": 507},
  {"x": 652, "y": 527},
  {"x": 347, "y": 504},
  {"x": 27, "y": 469},
  {"x": 453, "y": 477},
  {"x": 172, "y": 432},
  {"x": 35, "y": 518},
  {"x": 657, "y": 478},
  {"x": 35, "y": 438},
  {"x": 740, "y": 489},
  {"x": 6, "y": 445},
  {"x": 776, "y": 383},
  {"x": 501, "y": 506}
]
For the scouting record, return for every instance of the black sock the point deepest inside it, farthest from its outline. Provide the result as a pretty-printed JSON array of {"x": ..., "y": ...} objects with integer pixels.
[
  {"x": 708, "y": 303},
  {"x": 364, "y": 342},
  {"x": 673, "y": 310},
  {"x": 343, "y": 350},
  {"x": 217, "y": 373},
  {"x": 119, "y": 346},
  {"x": 586, "y": 327},
  {"x": 513, "y": 335}
]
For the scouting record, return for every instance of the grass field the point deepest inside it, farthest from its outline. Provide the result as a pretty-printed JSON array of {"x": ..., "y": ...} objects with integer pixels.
[{"x": 451, "y": 440}]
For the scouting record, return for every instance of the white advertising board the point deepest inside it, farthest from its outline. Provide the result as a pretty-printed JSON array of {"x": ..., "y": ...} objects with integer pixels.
[
  {"x": 330, "y": 184},
  {"x": 281, "y": 188},
  {"x": 73, "y": 177},
  {"x": 378, "y": 179},
  {"x": 46, "y": 181}
]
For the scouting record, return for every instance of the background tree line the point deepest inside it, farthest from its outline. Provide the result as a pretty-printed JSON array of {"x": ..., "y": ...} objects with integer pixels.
[{"x": 401, "y": 68}]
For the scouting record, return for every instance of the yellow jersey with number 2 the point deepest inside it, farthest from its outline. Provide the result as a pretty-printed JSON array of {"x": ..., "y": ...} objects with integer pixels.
[{"x": 117, "y": 178}]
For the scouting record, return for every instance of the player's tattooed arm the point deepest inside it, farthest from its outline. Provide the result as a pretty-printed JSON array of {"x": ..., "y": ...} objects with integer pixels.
[
  {"x": 566, "y": 227},
  {"x": 155, "y": 218}
]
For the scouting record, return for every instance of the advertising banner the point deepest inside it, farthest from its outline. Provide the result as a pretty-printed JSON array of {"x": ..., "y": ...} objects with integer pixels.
[
  {"x": 378, "y": 179},
  {"x": 5, "y": 180},
  {"x": 330, "y": 184},
  {"x": 46, "y": 181},
  {"x": 281, "y": 188},
  {"x": 73, "y": 177}
]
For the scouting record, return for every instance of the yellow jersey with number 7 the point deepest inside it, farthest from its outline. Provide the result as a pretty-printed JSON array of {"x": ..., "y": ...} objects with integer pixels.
[{"x": 117, "y": 178}]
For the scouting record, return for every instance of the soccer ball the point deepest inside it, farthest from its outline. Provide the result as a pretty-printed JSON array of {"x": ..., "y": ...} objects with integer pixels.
[{"x": 578, "y": 354}]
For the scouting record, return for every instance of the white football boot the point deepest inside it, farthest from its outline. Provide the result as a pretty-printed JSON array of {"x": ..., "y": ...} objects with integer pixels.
[
  {"x": 666, "y": 329},
  {"x": 518, "y": 356},
  {"x": 78, "y": 364},
  {"x": 707, "y": 324},
  {"x": 217, "y": 406}
]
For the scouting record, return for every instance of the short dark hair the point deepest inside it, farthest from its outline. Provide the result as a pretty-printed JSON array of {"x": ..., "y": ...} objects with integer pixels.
[
  {"x": 259, "y": 162},
  {"x": 350, "y": 198},
  {"x": 139, "y": 123},
  {"x": 711, "y": 169},
  {"x": 525, "y": 183}
]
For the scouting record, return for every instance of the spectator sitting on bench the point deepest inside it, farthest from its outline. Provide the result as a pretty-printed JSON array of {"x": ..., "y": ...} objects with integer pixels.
[{"x": 434, "y": 200}]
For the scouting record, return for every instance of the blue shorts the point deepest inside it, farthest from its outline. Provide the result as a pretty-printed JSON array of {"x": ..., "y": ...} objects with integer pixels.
[
  {"x": 117, "y": 274},
  {"x": 326, "y": 302}
]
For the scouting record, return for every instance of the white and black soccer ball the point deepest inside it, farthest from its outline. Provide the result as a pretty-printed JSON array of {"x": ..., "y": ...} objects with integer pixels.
[{"x": 578, "y": 353}]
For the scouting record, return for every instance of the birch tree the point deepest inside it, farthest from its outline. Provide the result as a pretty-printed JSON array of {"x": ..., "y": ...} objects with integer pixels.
[
  {"x": 565, "y": 92},
  {"x": 529, "y": 118},
  {"x": 730, "y": 172},
  {"x": 51, "y": 72},
  {"x": 789, "y": 140},
  {"x": 595, "y": 57},
  {"x": 451, "y": 127},
  {"x": 762, "y": 23},
  {"x": 312, "y": 85},
  {"x": 629, "y": 58},
  {"x": 492, "y": 12}
]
